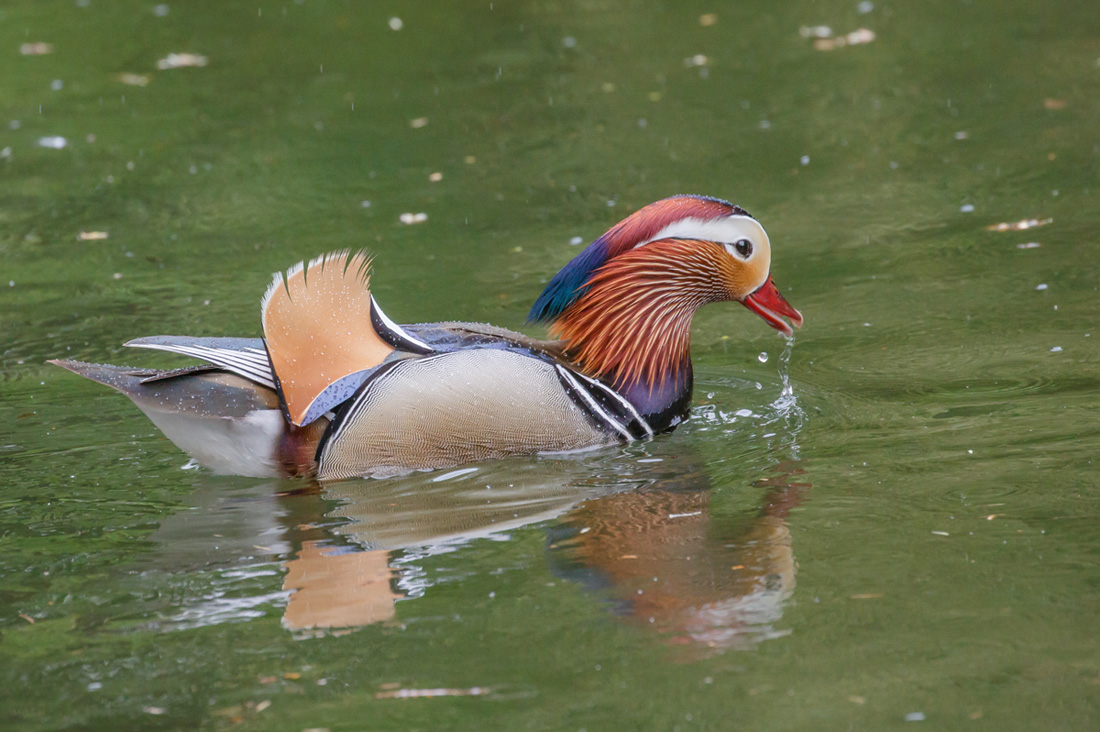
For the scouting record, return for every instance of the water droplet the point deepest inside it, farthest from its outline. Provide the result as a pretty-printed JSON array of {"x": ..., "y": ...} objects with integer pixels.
[{"x": 763, "y": 357}]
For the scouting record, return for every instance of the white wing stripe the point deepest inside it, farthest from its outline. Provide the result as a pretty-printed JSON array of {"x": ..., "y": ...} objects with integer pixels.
[
  {"x": 397, "y": 328},
  {"x": 621, "y": 400},
  {"x": 593, "y": 405}
]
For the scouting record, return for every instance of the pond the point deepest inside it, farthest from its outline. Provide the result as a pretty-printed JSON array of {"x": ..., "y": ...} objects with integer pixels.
[{"x": 890, "y": 521}]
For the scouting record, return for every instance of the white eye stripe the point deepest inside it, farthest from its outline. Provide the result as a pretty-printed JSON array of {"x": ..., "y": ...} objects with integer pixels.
[{"x": 727, "y": 230}]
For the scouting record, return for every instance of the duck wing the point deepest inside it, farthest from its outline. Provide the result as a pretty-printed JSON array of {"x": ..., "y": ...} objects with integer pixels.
[{"x": 245, "y": 357}]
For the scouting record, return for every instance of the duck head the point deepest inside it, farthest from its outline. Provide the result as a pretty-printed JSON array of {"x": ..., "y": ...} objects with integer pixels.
[
  {"x": 746, "y": 275},
  {"x": 623, "y": 307}
]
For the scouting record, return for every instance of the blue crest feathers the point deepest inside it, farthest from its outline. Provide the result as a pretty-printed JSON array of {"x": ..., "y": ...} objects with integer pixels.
[{"x": 568, "y": 284}]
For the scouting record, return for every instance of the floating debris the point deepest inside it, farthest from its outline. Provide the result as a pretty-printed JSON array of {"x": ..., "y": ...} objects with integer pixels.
[
  {"x": 1056, "y": 349},
  {"x": 569, "y": 42},
  {"x": 914, "y": 717},
  {"x": 708, "y": 19},
  {"x": 1050, "y": 103},
  {"x": 865, "y": 7},
  {"x": 469, "y": 159},
  {"x": 413, "y": 218},
  {"x": 55, "y": 142},
  {"x": 153, "y": 710},
  {"x": 91, "y": 235},
  {"x": 941, "y": 533},
  {"x": 829, "y": 43},
  {"x": 36, "y": 49},
  {"x": 1041, "y": 287},
  {"x": 417, "y": 123},
  {"x": 431, "y": 693},
  {"x": 1019, "y": 225},
  {"x": 435, "y": 177},
  {"x": 815, "y": 31},
  {"x": 134, "y": 79},
  {"x": 396, "y": 23},
  {"x": 967, "y": 208},
  {"x": 180, "y": 60},
  {"x": 1029, "y": 245},
  {"x": 574, "y": 241},
  {"x": 866, "y": 596},
  {"x": 696, "y": 60},
  {"x": 962, "y": 135}
]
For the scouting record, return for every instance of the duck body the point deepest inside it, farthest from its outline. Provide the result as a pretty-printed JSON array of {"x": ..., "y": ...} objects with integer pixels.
[{"x": 336, "y": 389}]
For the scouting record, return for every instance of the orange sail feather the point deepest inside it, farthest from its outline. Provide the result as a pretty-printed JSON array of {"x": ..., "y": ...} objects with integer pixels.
[{"x": 317, "y": 325}]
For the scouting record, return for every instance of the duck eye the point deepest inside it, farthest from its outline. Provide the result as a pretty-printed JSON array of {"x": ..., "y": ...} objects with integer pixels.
[{"x": 744, "y": 248}]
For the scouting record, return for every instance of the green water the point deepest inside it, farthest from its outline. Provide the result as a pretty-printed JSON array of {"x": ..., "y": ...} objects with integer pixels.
[{"x": 907, "y": 539}]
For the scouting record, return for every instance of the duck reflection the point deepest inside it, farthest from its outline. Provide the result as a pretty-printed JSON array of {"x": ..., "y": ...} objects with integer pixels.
[{"x": 645, "y": 532}]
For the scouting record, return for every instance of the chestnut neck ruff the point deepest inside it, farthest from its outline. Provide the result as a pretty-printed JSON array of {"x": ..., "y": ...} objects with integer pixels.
[{"x": 633, "y": 324}]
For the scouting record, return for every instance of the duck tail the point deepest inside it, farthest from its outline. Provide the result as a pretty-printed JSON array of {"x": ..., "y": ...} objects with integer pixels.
[{"x": 226, "y": 422}]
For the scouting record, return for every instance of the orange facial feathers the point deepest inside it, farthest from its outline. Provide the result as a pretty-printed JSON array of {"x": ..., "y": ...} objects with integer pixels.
[{"x": 317, "y": 325}]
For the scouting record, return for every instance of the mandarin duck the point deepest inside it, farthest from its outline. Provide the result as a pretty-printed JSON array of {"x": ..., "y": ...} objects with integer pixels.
[{"x": 336, "y": 389}]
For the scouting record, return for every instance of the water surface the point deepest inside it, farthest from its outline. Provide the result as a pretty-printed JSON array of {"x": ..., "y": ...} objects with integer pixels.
[{"x": 892, "y": 521}]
